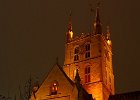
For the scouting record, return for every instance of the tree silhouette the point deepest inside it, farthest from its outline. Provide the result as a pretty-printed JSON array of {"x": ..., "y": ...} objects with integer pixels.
[
  {"x": 2, "y": 97},
  {"x": 31, "y": 86}
]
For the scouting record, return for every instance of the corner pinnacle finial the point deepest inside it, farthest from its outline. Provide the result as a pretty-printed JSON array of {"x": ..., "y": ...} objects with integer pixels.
[
  {"x": 70, "y": 12},
  {"x": 108, "y": 33},
  {"x": 98, "y": 3},
  {"x": 56, "y": 60},
  {"x": 97, "y": 23},
  {"x": 70, "y": 22},
  {"x": 108, "y": 36},
  {"x": 69, "y": 34}
]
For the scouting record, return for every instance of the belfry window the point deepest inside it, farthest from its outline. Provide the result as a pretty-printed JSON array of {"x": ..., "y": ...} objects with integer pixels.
[
  {"x": 76, "y": 54},
  {"x": 87, "y": 74},
  {"x": 54, "y": 88},
  {"x": 87, "y": 48}
]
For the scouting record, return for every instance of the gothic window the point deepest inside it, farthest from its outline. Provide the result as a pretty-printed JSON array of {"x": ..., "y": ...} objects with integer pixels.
[
  {"x": 76, "y": 52},
  {"x": 54, "y": 88},
  {"x": 87, "y": 74},
  {"x": 87, "y": 48}
]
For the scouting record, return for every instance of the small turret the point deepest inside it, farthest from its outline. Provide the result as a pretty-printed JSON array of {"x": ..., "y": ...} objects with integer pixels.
[
  {"x": 97, "y": 23},
  {"x": 69, "y": 34}
]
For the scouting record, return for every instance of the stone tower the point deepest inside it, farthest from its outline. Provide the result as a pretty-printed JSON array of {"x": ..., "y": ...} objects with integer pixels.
[{"x": 91, "y": 54}]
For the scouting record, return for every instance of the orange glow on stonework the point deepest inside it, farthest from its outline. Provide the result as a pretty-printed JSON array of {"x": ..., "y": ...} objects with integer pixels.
[
  {"x": 109, "y": 42},
  {"x": 54, "y": 84},
  {"x": 71, "y": 34}
]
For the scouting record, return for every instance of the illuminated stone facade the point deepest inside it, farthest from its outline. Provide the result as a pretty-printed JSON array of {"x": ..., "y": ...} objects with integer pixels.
[
  {"x": 88, "y": 72},
  {"x": 91, "y": 54}
]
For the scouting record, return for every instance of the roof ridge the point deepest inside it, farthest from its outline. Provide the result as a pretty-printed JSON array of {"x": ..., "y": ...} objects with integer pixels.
[{"x": 72, "y": 83}]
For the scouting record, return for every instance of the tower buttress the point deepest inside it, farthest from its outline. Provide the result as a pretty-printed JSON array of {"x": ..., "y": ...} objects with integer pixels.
[{"x": 69, "y": 34}]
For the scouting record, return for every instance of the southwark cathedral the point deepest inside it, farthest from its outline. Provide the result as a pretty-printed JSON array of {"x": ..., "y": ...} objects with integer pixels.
[{"x": 87, "y": 73}]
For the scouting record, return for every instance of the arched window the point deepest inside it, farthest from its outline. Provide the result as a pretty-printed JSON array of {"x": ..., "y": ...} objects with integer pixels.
[
  {"x": 87, "y": 74},
  {"x": 76, "y": 54},
  {"x": 87, "y": 49},
  {"x": 54, "y": 88}
]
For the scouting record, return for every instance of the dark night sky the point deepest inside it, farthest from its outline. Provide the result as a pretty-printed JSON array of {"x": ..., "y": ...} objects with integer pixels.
[{"x": 32, "y": 35}]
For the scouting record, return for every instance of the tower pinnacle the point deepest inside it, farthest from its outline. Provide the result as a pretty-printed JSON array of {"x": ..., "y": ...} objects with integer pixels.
[
  {"x": 70, "y": 22},
  {"x": 108, "y": 36},
  {"x": 69, "y": 34},
  {"x": 108, "y": 33},
  {"x": 97, "y": 23}
]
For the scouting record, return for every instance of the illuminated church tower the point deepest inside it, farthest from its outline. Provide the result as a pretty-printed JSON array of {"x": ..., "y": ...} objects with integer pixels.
[{"x": 91, "y": 54}]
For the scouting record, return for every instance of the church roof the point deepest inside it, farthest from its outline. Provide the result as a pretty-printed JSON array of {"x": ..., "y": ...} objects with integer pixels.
[
  {"x": 72, "y": 83},
  {"x": 126, "y": 96},
  {"x": 82, "y": 93},
  {"x": 61, "y": 69}
]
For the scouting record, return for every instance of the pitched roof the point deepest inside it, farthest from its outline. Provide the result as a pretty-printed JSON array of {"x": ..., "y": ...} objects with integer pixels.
[
  {"x": 126, "y": 96},
  {"x": 61, "y": 69},
  {"x": 82, "y": 93},
  {"x": 72, "y": 83}
]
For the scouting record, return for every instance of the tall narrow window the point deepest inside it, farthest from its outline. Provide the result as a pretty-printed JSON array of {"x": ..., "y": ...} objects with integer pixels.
[
  {"x": 54, "y": 88},
  {"x": 76, "y": 52},
  {"x": 87, "y": 48},
  {"x": 87, "y": 74}
]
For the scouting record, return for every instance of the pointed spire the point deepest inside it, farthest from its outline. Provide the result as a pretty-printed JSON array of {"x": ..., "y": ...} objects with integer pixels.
[
  {"x": 97, "y": 15},
  {"x": 108, "y": 36},
  {"x": 70, "y": 22},
  {"x": 69, "y": 34},
  {"x": 56, "y": 60},
  {"x": 108, "y": 33},
  {"x": 15, "y": 97},
  {"x": 97, "y": 23},
  {"x": 77, "y": 78},
  {"x": 20, "y": 94}
]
